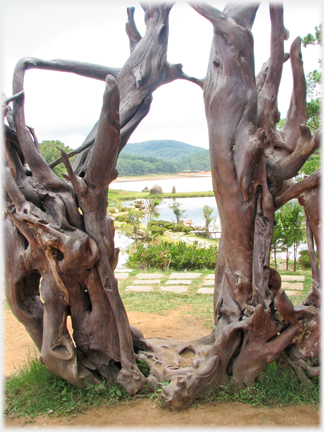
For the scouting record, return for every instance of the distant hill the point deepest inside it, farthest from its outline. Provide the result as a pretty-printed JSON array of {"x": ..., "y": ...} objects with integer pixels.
[
  {"x": 132, "y": 165},
  {"x": 167, "y": 150},
  {"x": 195, "y": 163}
]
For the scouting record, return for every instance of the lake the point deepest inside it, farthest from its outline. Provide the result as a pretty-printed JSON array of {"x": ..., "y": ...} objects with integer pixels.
[{"x": 192, "y": 206}]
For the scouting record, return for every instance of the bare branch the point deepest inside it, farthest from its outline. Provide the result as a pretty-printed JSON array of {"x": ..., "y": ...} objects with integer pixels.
[
  {"x": 298, "y": 188},
  {"x": 297, "y": 114},
  {"x": 174, "y": 71},
  {"x": 103, "y": 157},
  {"x": 12, "y": 98},
  {"x": 36, "y": 162},
  {"x": 268, "y": 114},
  {"x": 87, "y": 70},
  {"x": 288, "y": 167},
  {"x": 131, "y": 29}
]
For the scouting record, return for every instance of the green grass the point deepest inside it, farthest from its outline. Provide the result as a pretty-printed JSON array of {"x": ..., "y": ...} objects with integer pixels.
[
  {"x": 276, "y": 386},
  {"x": 34, "y": 391},
  {"x": 162, "y": 302},
  {"x": 115, "y": 196}
]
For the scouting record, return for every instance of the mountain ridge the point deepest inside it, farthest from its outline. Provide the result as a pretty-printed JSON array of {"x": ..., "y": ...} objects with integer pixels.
[{"x": 168, "y": 150}]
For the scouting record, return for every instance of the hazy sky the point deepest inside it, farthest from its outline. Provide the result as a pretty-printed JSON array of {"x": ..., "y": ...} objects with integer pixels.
[{"x": 65, "y": 107}]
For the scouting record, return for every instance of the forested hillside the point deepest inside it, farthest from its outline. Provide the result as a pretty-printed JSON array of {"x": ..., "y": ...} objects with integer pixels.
[
  {"x": 162, "y": 157},
  {"x": 195, "y": 163},
  {"x": 168, "y": 150},
  {"x": 131, "y": 165}
]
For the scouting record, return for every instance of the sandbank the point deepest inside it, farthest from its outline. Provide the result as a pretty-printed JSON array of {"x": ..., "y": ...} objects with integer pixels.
[{"x": 124, "y": 179}]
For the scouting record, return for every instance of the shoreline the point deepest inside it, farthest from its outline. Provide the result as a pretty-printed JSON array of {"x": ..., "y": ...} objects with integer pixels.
[{"x": 125, "y": 179}]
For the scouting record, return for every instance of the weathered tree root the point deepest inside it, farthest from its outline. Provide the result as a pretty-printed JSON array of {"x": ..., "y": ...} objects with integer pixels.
[{"x": 239, "y": 354}]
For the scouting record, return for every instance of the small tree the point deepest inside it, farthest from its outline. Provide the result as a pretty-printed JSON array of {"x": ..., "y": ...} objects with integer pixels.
[
  {"x": 134, "y": 220},
  {"x": 207, "y": 211},
  {"x": 152, "y": 203},
  {"x": 175, "y": 207},
  {"x": 277, "y": 236},
  {"x": 291, "y": 218}
]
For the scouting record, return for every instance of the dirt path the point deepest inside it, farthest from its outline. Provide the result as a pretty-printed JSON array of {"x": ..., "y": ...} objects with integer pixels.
[{"x": 145, "y": 412}]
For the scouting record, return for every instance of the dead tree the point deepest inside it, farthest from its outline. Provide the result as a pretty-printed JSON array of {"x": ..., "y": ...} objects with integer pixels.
[{"x": 60, "y": 242}]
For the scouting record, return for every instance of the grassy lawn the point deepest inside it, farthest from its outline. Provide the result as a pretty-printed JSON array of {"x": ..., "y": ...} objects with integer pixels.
[
  {"x": 116, "y": 196},
  {"x": 162, "y": 302}
]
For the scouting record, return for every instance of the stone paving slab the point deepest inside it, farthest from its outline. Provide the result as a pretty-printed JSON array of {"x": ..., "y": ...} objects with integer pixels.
[
  {"x": 178, "y": 281},
  {"x": 148, "y": 276},
  {"x": 292, "y": 293},
  {"x": 139, "y": 288},
  {"x": 205, "y": 291},
  {"x": 292, "y": 278},
  {"x": 184, "y": 275},
  {"x": 174, "y": 289},
  {"x": 121, "y": 275},
  {"x": 292, "y": 286},
  {"x": 146, "y": 281},
  {"x": 210, "y": 276},
  {"x": 208, "y": 282}
]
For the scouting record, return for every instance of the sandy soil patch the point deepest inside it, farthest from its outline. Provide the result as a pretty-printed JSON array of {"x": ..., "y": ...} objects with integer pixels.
[
  {"x": 145, "y": 412},
  {"x": 161, "y": 176}
]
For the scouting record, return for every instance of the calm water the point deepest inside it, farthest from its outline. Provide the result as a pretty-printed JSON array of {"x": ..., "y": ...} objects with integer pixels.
[
  {"x": 193, "y": 209},
  {"x": 122, "y": 242},
  {"x": 191, "y": 184},
  {"x": 192, "y": 206}
]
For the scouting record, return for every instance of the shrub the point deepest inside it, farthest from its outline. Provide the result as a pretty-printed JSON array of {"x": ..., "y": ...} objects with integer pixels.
[
  {"x": 304, "y": 259},
  {"x": 121, "y": 218},
  {"x": 157, "y": 230},
  {"x": 164, "y": 225},
  {"x": 175, "y": 256},
  {"x": 181, "y": 228}
]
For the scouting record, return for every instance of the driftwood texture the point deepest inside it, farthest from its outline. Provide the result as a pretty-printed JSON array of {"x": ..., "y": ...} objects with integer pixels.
[{"x": 60, "y": 253}]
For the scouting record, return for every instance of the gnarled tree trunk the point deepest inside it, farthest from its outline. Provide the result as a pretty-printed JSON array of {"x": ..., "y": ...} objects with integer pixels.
[{"x": 60, "y": 242}]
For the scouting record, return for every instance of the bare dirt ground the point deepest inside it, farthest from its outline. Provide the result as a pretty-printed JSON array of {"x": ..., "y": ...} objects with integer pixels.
[
  {"x": 145, "y": 412},
  {"x": 124, "y": 179}
]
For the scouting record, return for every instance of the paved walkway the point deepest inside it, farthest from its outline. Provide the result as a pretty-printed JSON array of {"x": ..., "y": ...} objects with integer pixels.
[{"x": 180, "y": 282}]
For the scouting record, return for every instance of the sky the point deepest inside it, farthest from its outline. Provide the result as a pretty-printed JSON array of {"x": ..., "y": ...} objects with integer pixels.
[{"x": 61, "y": 106}]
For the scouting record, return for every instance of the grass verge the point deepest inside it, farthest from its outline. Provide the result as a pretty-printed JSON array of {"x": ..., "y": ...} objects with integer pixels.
[
  {"x": 276, "y": 386},
  {"x": 34, "y": 391},
  {"x": 115, "y": 196}
]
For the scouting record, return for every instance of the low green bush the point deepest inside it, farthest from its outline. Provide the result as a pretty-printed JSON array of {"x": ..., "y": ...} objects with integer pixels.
[
  {"x": 157, "y": 230},
  {"x": 175, "y": 256},
  {"x": 160, "y": 226},
  {"x": 121, "y": 218},
  {"x": 304, "y": 259},
  {"x": 181, "y": 228}
]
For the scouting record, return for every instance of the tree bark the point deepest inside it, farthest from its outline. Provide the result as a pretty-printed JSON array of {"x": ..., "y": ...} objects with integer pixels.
[{"x": 60, "y": 242}]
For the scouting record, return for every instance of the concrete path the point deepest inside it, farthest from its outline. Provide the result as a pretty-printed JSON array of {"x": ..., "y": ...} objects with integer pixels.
[{"x": 180, "y": 282}]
